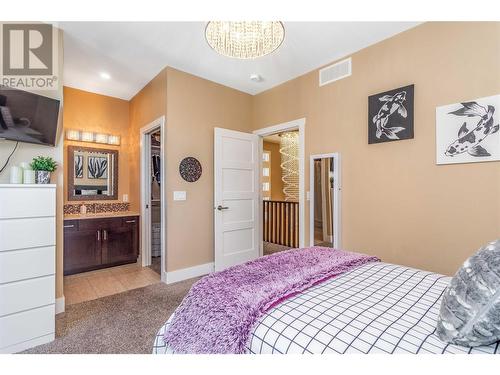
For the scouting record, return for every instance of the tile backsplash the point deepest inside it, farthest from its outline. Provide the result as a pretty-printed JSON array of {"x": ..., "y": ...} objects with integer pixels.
[{"x": 95, "y": 208}]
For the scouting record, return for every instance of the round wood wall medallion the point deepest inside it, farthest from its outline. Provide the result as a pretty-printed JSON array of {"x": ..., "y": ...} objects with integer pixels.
[{"x": 190, "y": 169}]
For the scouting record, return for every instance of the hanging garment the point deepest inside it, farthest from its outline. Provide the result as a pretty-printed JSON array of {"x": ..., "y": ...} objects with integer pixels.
[{"x": 156, "y": 167}]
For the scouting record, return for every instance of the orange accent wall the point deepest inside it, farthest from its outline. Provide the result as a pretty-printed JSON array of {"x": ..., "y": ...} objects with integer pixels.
[{"x": 102, "y": 114}]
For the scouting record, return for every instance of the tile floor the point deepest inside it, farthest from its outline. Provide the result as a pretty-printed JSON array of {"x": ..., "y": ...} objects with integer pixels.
[{"x": 96, "y": 284}]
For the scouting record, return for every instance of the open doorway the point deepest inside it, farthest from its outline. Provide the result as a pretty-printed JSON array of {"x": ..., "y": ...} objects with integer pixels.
[
  {"x": 282, "y": 186},
  {"x": 155, "y": 200},
  {"x": 153, "y": 197}
]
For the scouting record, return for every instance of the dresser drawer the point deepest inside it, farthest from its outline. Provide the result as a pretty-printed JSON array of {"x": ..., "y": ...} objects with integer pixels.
[
  {"x": 24, "y": 233},
  {"x": 27, "y": 294},
  {"x": 27, "y": 202},
  {"x": 26, "y": 325},
  {"x": 27, "y": 263}
]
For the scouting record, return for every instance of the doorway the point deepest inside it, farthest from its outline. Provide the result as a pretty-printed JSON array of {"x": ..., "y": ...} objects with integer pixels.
[
  {"x": 153, "y": 197},
  {"x": 280, "y": 191},
  {"x": 282, "y": 182}
]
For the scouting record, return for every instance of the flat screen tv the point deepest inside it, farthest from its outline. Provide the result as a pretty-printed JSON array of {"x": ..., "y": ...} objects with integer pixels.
[{"x": 28, "y": 117}]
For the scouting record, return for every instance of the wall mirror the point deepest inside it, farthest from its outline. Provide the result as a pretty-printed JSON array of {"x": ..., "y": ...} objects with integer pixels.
[
  {"x": 324, "y": 229},
  {"x": 92, "y": 173}
]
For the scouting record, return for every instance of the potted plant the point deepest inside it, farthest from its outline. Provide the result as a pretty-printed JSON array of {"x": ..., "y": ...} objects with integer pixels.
[{"x": 43, "y": 166}]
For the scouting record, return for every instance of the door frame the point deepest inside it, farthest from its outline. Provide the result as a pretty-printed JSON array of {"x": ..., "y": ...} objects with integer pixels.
[
  {"x": 145, "y": 194},
  {"x": 300, "y": 125},
  {"x": 337, "y": 232}
]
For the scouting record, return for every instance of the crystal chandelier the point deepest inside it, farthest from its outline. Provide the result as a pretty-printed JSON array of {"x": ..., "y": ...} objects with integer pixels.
[
  {"x": 245, "y": 39},
  {"x": 289, "y": 150}
]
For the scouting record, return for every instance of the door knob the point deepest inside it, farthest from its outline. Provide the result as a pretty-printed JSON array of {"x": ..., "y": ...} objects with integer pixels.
[{"x": 220, "y": 208}]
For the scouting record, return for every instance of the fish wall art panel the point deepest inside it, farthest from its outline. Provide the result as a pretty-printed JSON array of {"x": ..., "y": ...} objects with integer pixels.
[
  {"x": 390, "y": 115},
  {"x": 467, "y": 132}
]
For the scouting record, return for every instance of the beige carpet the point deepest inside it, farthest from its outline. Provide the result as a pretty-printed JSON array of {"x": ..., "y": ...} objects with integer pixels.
[{"x": 121, "y": 323}]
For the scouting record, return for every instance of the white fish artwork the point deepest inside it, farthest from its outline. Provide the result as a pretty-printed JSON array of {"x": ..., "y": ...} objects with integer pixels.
[
  {"x": 468, "y": 131},
  {"x": 469, "y": 140},
  {"x": 392, "y": 104}
]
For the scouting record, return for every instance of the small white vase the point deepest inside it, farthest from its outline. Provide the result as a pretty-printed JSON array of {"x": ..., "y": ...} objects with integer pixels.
[
  {"x": 16, "y": 175},
  {"x": 29, "y": 176}
]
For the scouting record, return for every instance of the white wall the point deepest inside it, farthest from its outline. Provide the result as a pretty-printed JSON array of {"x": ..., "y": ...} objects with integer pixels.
[{"x": 26, "y": 152}]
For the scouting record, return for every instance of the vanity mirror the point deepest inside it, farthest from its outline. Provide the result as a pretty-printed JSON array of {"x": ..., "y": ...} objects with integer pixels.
[{"x": 92, "y": 173}]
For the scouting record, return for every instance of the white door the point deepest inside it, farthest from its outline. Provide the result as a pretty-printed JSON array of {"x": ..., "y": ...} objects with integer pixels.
[{"x": 236, "y": 201}]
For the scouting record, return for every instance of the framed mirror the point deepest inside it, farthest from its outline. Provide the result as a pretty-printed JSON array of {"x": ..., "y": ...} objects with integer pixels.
[
  {"x": 92, "y": 174},
  {"x": 324, "y": 205}
]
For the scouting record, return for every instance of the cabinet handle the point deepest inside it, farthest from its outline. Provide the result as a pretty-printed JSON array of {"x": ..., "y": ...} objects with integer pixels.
[
  {"x": 105, "y": 234},
  {"x": 98, "y": 235},
  {"x": 68, "y": 226},
  {"x": 130, "y": 221}
]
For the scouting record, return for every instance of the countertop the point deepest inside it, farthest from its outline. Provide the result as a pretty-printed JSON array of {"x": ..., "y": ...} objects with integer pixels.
[{"x": 101, "y": 215}]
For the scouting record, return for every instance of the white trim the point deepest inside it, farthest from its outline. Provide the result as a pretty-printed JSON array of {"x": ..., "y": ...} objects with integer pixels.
[
  {"x": 300, "y": 125},
  {"x": 16, "y": 348},
  {"x": 188, "y": 273},
  {"x": 60, "y": 305},
  {"x": 145, "y": 144},
  {"x": 337, "y": 232}
]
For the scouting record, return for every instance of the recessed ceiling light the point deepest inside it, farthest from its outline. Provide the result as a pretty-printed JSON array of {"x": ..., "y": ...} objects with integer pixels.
[{"x": 105, "y": 75}]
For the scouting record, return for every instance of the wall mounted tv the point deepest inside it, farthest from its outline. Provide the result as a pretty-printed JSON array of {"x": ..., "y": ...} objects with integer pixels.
[{"x": 28, "y": 117}]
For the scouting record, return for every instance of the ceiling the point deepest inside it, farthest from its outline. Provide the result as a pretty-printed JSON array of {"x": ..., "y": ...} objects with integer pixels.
[{"x": 132, "y": 53}]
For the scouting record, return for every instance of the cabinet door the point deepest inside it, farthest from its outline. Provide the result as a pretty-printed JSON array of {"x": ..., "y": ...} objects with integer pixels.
[
  {"x": 82, "y": 250},
  {"x": 120, "y": 244}
]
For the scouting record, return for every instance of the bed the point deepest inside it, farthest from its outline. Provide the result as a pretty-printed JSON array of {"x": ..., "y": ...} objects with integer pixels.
[{"x": 375, "y": 308}]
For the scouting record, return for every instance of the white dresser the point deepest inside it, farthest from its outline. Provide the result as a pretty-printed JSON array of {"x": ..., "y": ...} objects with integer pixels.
[{"x": 27, "y": 266}]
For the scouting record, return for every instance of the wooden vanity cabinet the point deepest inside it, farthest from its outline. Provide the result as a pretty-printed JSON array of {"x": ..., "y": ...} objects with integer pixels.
[{"x": 91, "y": 244}]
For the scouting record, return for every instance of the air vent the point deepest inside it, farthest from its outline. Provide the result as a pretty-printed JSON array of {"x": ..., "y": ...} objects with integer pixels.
[{"x": 335, "y": 72}]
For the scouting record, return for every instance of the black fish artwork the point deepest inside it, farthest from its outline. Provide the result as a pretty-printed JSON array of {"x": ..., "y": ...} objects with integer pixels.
[
  {"x": 390, "y": 115},
  {"x": 470, "y": 140},
  {"x": 392, "y": 104}
]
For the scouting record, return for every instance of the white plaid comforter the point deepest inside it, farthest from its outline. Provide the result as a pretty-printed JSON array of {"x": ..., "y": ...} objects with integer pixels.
[{"x": 376, "y": 308}]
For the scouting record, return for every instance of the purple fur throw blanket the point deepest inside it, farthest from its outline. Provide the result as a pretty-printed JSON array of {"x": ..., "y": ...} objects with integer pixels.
[{"x": 220, "y": 310}]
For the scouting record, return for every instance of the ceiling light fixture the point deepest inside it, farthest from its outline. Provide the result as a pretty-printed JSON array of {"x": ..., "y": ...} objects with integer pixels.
[
  {"x": 105, "y": 75},
  {"x": 245, "y": 39}
]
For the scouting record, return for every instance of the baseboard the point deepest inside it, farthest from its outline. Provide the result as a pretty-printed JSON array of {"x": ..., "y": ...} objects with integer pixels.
[
  {"x": 188, "y": 273},
  {"x": 16, "y": 348},
  {"x": 60, "y": 305}
]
